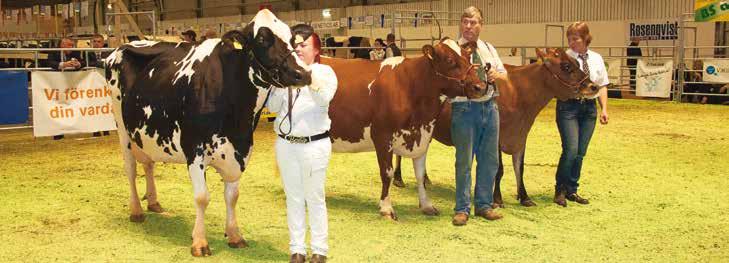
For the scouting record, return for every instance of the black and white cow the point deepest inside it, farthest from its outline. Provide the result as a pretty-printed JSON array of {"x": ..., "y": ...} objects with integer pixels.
[{"x": 194, "y": 103}]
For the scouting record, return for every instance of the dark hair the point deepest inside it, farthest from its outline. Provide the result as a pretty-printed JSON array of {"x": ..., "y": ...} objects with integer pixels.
[
  {"x": 391, "y": 37},
  {"x": 306, "y": 31},
  {"x": 190, "y": 34},
  {"x": 379, "y": 40}
]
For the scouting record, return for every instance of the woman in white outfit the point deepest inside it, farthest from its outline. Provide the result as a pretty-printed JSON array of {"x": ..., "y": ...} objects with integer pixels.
[{"x": 303, "y": 147}]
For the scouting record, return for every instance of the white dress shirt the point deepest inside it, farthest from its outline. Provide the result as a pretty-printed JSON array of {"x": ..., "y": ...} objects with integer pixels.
[
  {"x": 488, "y": 54},
  {"x": 310, "y": 109},
  {"x": 598, "y": 72}
]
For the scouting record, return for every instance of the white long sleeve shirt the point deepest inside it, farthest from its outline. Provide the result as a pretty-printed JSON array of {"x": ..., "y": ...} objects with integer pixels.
[
  {"x": 488, "y": 54},
  {"x": 598, "y": 72},
  {"x": 311, "y": 109}
]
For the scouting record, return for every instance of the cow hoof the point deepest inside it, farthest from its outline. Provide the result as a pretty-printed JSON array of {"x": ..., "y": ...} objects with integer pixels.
[
  {"x": 156, "y": 207},
  {"x": 527, "y": 203},
  {"x": 200, "y": 252},
  {"x": 398, "y": 183},
  {"x": 389, "y": 215},
  {"x": 136, "y": 218},
  {"x": 240, "y": 244},
  {"x": 431, "y": 211}
]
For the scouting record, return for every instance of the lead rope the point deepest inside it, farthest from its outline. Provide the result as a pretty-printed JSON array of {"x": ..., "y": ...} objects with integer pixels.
[{"x": 289, "y": 113}]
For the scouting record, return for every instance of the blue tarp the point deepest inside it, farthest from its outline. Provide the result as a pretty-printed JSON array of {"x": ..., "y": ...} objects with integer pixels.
[{"x": 13, "y": 97}]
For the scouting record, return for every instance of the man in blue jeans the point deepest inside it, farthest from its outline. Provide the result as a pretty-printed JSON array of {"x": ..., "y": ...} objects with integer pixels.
[{"x": 475, "y": 126}]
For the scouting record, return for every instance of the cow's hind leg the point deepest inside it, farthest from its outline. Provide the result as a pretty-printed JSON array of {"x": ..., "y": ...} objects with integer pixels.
[
  {"x": 518, "y": 162},
  {"x": 202, "y": 199},
  {"x": 235, "y": 240},
  {"x": 498, "y": 199},
  {"x": 130, "y": 168},
  {"x": 397, "y": 179},
  {"x": 425, "y": 205},
  {"x": 151, "y": 196}
]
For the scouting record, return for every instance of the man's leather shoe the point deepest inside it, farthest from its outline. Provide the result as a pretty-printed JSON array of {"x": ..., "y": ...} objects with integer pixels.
[
  {"x": 297, "y": 258},
  {"x": 559, "y": 197},
  {"x": 316, "y": 258},
  {"x": 574, "y": 197},
  {"x": 489, "y": 214},
  {"x": 460, "y": 219}
]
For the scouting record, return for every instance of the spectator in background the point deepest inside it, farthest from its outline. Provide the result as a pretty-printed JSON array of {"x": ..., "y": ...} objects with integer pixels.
[
  {"x": 209, "y": 34},
  {"x": 378, "y": 52},
  {"x": 96, "y": 57},
  {"x": 67, "y": 59},
  {"x": 188, "y": 36},
  {"x": 632, "y": 51},
  {"x": 513, "y": 52},
  {"x": 392, "y": 49}
]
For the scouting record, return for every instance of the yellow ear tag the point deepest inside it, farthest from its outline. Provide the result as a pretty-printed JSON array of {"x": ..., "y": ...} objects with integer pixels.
[
  {"x": 540, "y": 61},
  {"x": 237, "y": 45},
  {"x": 298, "y": 40}
]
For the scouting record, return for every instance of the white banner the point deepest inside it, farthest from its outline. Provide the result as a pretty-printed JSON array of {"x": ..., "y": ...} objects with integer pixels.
[
  {"x": 71, "y": 102},
  {"x": 613, "y": 69},
  {"x": 716, "y": 70},
  {"x": 653, "y": 78}
]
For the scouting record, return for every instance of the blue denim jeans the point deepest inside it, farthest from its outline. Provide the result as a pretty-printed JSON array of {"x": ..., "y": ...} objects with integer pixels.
[
  {"x": 576, "y": 123},
  {"x": 475, "y": 132}
]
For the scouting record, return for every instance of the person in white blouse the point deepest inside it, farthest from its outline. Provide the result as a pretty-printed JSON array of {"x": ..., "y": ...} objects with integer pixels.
[
  {"x": 576, "y": 117},
  {"x": 303, "y": 148}
]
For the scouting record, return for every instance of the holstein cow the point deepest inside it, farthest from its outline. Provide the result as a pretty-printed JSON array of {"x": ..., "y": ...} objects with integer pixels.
[
  {"x": 526, "y": 92},
  {"x": 391, "y": 107},
  {"x": 194, "y": 103}
]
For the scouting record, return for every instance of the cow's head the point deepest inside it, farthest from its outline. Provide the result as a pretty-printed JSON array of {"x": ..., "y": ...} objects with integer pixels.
[
  {"x": 447, "y": 62},
  {"x": 566, "y": 79},
  {"x": 273, "y": 60}
]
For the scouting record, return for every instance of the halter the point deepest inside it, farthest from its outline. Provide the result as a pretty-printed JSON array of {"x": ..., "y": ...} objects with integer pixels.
[
  {"x": 274, "y": 73},
  {"x": 575, "y": 86},
  {"x": 461, "y": 80}
]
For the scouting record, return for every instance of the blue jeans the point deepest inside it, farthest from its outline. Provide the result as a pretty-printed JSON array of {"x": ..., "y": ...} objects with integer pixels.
[
  {"x": 475, "y": 131},
  {"x": 576, "y": 123}
]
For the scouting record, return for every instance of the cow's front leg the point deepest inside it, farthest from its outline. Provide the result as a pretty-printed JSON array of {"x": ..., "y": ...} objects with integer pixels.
[
  {"x": 425, "y": 205},
  {"x": 151, "y": 196},
  {"x": 202, "y": 199},
  {"x": 518, "y": 162},
  {"x": 235, "y": 240},
  {"x": 384, "y": 158}
]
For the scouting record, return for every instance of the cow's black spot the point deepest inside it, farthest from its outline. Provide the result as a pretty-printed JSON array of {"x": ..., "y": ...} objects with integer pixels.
[
  {"x": 210, "y": 153},
  {"x": 118, "y": 97},
  {"x": 174, "y": 148},
  {"x": 222, "y": 140},
  {"x": 129, "y": 145},
  {"x": 222, "y": 156},
  {"x": 112, "y": 82},
  {"x": 167, "y": 150},
  {"x": 138, "y": 140},
  {"x": 201, "y": 167}
]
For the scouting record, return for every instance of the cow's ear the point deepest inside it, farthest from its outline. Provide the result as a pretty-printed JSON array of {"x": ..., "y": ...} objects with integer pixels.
[{"x": 428, "y": 50}]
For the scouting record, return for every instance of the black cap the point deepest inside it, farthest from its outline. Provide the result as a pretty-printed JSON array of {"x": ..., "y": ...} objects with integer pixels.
[{"x": 190, "y": 33}]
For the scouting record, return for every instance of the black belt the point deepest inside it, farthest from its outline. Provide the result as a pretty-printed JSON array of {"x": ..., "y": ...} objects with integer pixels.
[
  {"x": 580, "y": 100},
  {"x": 307, "y": 139}
]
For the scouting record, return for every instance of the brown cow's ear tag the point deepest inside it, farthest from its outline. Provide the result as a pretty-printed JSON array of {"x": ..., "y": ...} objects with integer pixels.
[
  {"x": 540, "y": 61},
  {"x": 237, "y": 45}
]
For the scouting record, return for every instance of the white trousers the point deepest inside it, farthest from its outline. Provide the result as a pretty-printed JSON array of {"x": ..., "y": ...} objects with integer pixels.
[{"x": 303, "y": 170}]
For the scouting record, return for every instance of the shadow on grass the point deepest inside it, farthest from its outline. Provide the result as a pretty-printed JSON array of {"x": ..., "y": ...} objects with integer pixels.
[{"x": 176, "y": 231}]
